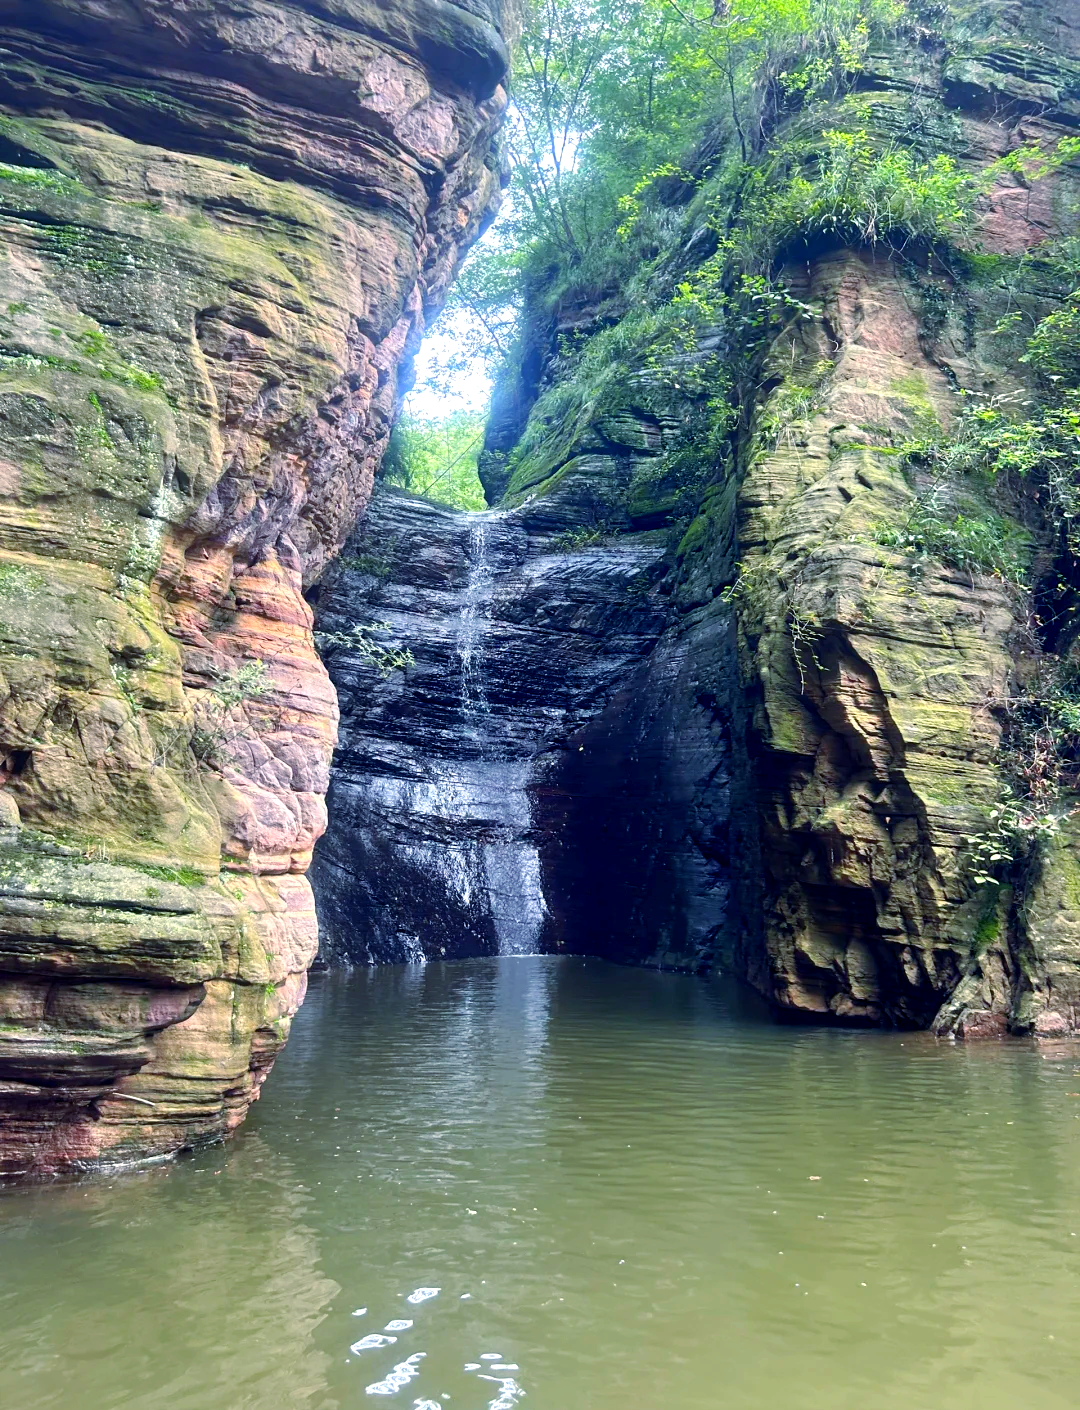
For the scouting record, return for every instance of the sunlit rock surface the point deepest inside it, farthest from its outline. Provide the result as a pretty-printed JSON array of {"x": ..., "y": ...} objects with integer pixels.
[{"x": 223, "y": 228}]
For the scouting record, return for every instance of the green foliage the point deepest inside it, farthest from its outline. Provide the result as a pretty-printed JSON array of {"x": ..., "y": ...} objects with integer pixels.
[
  {"x": 1041, "y": 749},
  {"x": 606, "y": 90},
  {"x": 1054, "y": 348},
  {"x": 792, "y": 402},
  {"x": 994, "y": 437},
  {"x": 574, "y": 540},
  {"x": 38, "y": 179},
  {"x": 973, "y": 542},
  {"x": 1014, "y": 830},
  {"x": 180, "y": 876},
  {"x": 836, "y": 185},
  {"x": 371, "y": 564},
  {"x": 861, "y": 195},
  {"x": 222, "y": 717},
  {"x": 251, "y": 681},
  {"x": 359, "y": 639},
  {"x": 619, "y": 111},
  {"x": 437, "y": 458}
]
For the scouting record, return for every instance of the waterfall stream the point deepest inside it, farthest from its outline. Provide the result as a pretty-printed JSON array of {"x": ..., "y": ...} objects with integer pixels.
[
  {"x": 473, "y": 622},
  {"x": 436, "y": 845},
  {"x": 510, "y": 863}
]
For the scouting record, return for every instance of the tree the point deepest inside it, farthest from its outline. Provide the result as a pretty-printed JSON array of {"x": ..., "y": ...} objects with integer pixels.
[{"x": 436, "y": 457}]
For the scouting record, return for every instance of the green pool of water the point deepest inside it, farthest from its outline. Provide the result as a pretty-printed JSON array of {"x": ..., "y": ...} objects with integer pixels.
[{"x": 630, "y": 1191}]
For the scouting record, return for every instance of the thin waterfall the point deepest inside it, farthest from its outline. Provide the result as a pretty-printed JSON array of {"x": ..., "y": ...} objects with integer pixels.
[
  {"x": 511, "y": 865},
  {"x": 472, "y": 630},
  {"x": 440, "y": 797}
]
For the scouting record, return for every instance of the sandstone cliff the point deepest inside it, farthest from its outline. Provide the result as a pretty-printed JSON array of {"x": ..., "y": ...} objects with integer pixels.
[
  {"x": 864, "y": 656},
  {"x": 223, "y": 228},
  {"x": 879, "y": 667}
]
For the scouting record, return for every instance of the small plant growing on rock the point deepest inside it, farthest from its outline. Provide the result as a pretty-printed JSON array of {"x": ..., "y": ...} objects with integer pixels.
[
  {"x": 360, "y": 640},
  {"x": 1015, "y": 829},
  {"x": 793, "y": 402},
  {"x": 251, "y": 681},
  {"x": 574, "y": 540},
  {"x": 373, "y": 565},
  {"x": 216, "y": 728},
  {"x": 973, "y": 543}
]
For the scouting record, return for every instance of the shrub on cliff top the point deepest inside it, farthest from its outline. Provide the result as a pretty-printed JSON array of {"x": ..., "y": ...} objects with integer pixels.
[
  {"x": 620, "y": 107},
  {"x": 861, "y": 195}
]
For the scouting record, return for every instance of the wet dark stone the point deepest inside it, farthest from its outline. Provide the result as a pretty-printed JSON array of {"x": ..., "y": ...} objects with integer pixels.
[
  {"x": 648, "y": 836},
  {"x": 557, "y": 769}
]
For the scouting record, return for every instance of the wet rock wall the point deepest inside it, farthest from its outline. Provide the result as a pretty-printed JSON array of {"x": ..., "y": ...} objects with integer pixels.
[
  {"x": 440, "y": 789},
  {"x": 791, "y": 783}
]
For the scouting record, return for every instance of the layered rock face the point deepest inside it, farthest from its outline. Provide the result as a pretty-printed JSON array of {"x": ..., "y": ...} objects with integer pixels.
[
  {"x": 878, "y": 681},
  {"x": 875, "y": 680},
  {"x": 789, "y": 780},
  {"x": 223, "y": 228},
  {"x": 443, "y": 810},
  {"x": 563, "y": 764}
]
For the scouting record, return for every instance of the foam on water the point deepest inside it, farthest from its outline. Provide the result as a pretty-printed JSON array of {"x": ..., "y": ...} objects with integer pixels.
[
  {"x": 374, "y": 1341},
  {"x": 399, "y": 1377}
]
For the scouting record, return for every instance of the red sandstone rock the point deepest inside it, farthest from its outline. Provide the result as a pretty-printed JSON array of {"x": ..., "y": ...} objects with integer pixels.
[{"x": 246, "y": 215}]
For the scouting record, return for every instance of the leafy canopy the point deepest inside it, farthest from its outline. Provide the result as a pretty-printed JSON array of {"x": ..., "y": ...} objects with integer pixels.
[
  {"x": 614, "y": 99},
  {"x": 436, "y": 457}
]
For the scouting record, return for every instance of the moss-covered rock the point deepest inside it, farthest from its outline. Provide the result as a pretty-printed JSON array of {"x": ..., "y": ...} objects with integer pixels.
[
  {"x": 886, "y": 613},
  {"x": 217, "y": 252}
]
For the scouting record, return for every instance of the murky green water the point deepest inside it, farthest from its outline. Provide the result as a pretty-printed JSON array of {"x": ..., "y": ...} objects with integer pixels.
[{"x": 629, "y": 1191}]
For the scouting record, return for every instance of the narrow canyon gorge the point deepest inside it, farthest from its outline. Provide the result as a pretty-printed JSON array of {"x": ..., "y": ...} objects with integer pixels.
[{"x": 742, "y": 670}]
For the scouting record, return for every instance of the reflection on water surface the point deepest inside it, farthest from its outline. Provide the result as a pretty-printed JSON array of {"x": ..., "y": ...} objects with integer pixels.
[{"x": 564, "y": 1185}]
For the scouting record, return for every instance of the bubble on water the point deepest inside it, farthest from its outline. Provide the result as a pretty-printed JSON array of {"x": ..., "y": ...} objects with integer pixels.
[
  {"x": 491, "y": 1356},
  {"x": 504, "y": 1366},
  {"x": 374, "y": 1341},
  {"x": 472, "y": 1365},
  {"x": 426, "y": 1405},
  {"x": 422, "y": 1294},
  {"x": 399, "y": 1324},
  {"x": 399, "y": 1377},
  {"x": 360, "y": 1312}
]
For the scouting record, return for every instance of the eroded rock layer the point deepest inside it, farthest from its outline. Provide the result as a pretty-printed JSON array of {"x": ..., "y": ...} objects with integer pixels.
[
  {"x": 798, "y": 780},
  {"x": 223, "y": 227},
  {"x": 879, "y": 675},
  {"x": 441, "y": 793}
]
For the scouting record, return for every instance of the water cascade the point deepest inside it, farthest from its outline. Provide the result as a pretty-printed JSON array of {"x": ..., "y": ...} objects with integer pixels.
[
  {"x": 510, "y": 861},
  {"x": 438, "y": 786},
  {"x": 474, "y": 620}
]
